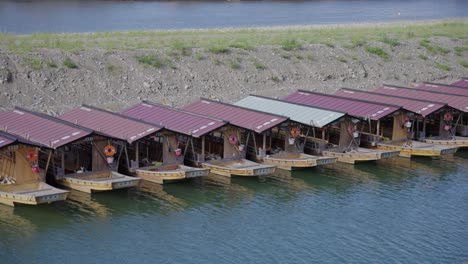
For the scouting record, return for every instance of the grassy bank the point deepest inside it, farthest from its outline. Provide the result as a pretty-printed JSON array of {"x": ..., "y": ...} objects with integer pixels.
[{"x": 220, "y": 40}]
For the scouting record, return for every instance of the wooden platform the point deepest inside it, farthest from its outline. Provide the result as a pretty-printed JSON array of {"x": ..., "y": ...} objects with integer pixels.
[
  {"x": 170, "y": 173},
  {"x": 288, "y": 161},
  {"x": 416, "y": 148},
  {"x": 460, "y": 142},
  {"x": 98, "y": 181},
  {"x": 30, "y": 193},
  {"x": 361, "y": 155},
  {"x": 238, "y": 167}
]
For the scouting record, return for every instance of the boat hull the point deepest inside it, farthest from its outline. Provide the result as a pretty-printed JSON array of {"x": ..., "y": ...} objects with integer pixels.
[
  {"x": 361, "y": 155},
  {"x": 98, "y": 181},
  {"x": 299, "y": 160},
  {"x": 240, "y": 167},
  {"x": 31, "y": 194},
  {"x": 418, "y": 149},
  {"x": 460, "y": 142},
  {"x": 170, "y": 173}
]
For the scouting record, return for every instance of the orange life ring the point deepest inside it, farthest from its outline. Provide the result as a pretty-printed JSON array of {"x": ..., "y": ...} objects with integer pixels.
[
  {"x": 109, "y": 150},
  {"x": 295, "y": 132},
  {"x": 31, "y": 156}
]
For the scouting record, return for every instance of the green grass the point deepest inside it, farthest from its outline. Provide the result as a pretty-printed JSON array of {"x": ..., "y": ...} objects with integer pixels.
[
  {"x": 378, "y": 51},
  {"x": 34, "y": 63},
  {"x": 432, "y": 48},
  {"x": 150, "y": 60},
  {"x": 341, "y": 59},
  {"x": 259, "y": 66},
  {"x": 285, "y": 56},
  {"x": 199, "y": 56},
  {"x": 442, "y": 66},
  {"x": 181, "y": 47},
  {"x": 216, "y": 61},
  {"x": 390, "y": 41},
  {"x": 464, "y": 63},
  {"x": 422, "y": 57},
  {"x": 242, "y": 45},
  {"x": 219, "y": 40},
  {"x": 275, "y": 79},
  {"x": 111, "y": 68},
  {"x": 69, "y": 63},
  {"x": 290, "y": 44},
  {"x": 330, "y": 45},
  {"x": 459, "y": 50},
  {"x": 233, "y": 64}
]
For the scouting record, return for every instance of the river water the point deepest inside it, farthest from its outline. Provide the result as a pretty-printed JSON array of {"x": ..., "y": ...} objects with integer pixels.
[
  {"x": 28, "y": 16},
  {"x": 392, "y": 211}
]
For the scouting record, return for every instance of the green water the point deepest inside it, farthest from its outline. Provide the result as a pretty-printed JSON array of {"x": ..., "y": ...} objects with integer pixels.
[{"x": 393, "y": 211}]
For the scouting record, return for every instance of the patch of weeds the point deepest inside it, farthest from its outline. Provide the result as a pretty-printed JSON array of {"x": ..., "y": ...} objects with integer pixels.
[
  {"x": 464, "y": 63},
  {"x": 354, "y": 57},
  {"x": 51, "y": 64},
  {"x": 422, "y": 57},
  {"x": 111, "y": 68},
  {"x": 172, "y": 66},
  {"x": 378, "y": 51},
  {"x": 330, "y": 45},
  {"x": 341, "y": 59},
  {"x": 310, "y": 57},
  {"x": 150, "y": 60},
  {"x": 434, "y": 49},
  {"x": 358, "y": 42},
  {"x": 69, "y": 63},
  {"x": 199, "y": 56},
  {"x": 459, "y": 50},
  {"x": 276, "y": 79},
  {"x": 219, "y": 49},
  {"x": 243, "y": 46},
  {"x": 216, "y": 61},
  {"x": 410, "y": 34},
  {"x": 390, "y": 41},
  {"x": 181, "y": 47},
  {"x": 259, "y": 66},
  {"x": 442, "y": 66},
  {"x": 34, "y": 63},
  {"x": 299, "y": 56},
  {"x": 234, "y": 64},
  {"x": 285, "y": 56},
  {"x": 291, "y": 44}
]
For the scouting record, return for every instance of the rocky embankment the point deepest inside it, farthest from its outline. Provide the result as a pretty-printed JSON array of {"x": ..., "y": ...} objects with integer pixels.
[{"x": 53, "y": 81}]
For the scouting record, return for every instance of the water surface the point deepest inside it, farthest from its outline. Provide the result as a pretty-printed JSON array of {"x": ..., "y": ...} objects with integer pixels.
[{"x": 398, "y": 210}]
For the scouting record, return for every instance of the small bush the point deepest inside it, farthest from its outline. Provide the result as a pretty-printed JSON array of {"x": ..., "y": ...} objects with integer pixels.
[
  {"x": 34, "y": 63},
  {"x": 422, "y": 57},
  {"x": 219, "y": 49},
  {"x": 378, "y": 51},
  {"x": 275, "y": 79},
  {"x": 51, "y": 64},
  {"x": 150, "y": 60},
  {"x": 464, "y": 63},
  {"x": 183, "y": 48},
  {"x": 299, "y": 56},
  {"x": 69, "y": 63},
  {"x": 234, "y": 65},
  {"x": 358, "y": 42},
  {"x": 291, "y": 44},
  {"x": 442, "y": 66},
  {"x": 390, "y": 41},
  {"x": 259, "y": 66}
]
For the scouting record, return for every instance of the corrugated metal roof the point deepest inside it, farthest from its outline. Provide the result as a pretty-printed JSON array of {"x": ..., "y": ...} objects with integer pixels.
[
  {"x": 40, "y": 128},
  {"x": 299, "y": 113},
  {"x": 442, "y": 88},
  {"x": 111, "y": 124},
  {"x": 462, "y": 82},
  {"x": 357, "y": 108},
  {"x": 421, "y": 107},
  {"x": 8, "y": 139},
  {"x": 174, "y": 119},
  {"x": 236, "y": 115},
  {"x": 455, "y": 101}
]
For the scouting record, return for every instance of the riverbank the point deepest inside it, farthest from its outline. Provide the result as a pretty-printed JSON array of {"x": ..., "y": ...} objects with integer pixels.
[{"x": 55, "y": 72}]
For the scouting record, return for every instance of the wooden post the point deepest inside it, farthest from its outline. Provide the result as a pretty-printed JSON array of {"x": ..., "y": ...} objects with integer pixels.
[
  {"x": 137, "y": 153},
  {"x": 126, "y": 156},
  {"x": 62, "y": 163},
  {"x": 378, "y": 128},
  {"x": 203, "y": 148},
  {"x": 264, "y": 141},
  {"x": 424, "y": 127}
]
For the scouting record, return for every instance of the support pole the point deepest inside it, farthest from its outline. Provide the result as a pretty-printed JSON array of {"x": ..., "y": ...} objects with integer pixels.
[{"x": 203, "y": 148}]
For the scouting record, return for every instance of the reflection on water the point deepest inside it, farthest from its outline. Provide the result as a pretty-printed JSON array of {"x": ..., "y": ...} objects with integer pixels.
[
  {"x": 386, "y": 211},
  {"x": 99, "y": 15}
]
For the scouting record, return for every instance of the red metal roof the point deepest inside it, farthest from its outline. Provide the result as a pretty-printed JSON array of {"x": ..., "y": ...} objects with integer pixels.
[
  {"x": 236, "y": 115},
  {"x": 357, "y": 108},
  {"x": 462, "y": 82},
  {"x": 7, "y": 139},
  {"x": 442, "y": 88},
  {"x": 421, "y": 107},
  {"x": 40, "y": 128},
  {"x": 455, "y": 101},
  {"x": 174, "y": 119},
  {"x": 111, "y": 124}
]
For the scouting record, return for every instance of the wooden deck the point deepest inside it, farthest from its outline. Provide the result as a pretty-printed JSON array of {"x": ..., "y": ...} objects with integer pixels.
[
  {"x": 170, "y": 173},
  {"x": 30, "y": 193},
  {"x": 460, "y": 142},
  {"x": 98, "y": 181},
  {"x": 416, "y": 148},
  {"x": 288, "y": 161},
  {"x": 361, "y": 155},
  {"x": 238, "y": 167}
]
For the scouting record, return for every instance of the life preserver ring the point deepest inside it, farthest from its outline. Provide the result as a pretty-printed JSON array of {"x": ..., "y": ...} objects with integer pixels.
[
  {"x": 178, "y": 152},
  {"x": 295, "y": 132},
  {"x": 109, "y": 150},
  {"x": 31, "y": 156},
  {"x": 232, "y": 139},
  {"x": 448, "y": 116}
]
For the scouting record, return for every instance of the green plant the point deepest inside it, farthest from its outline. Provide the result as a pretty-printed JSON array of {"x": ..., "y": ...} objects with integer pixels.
[
  {"x": 181, "y": 47},
  {"x": 459, "y": 50},
  {"x": 216, "y": 61},
  {"x": 51, "y": 64},
  {"x": 442, "y": 66},
  {"x": 390, "y": 41},
  {"x": 378, "y": 51},
  {"x": 150, "y": 60},
  {"x": 219, "y": 49},
  {"x": 111, "y": 68},
  {"x": 233, "y": 64},
  {"x": 69, "y": 63},
  {"x": 464, "y": 63},
  {"x": 199, "y": 56},
  {"x": 330, "y": 45},
  {"x": 242, "y": 45},
  {"x": 34, "y": 63},
  {"x": 357, "y": 41},
  {"x": 423, "y": 57},
  {"x": 259, "y": 66},
  {"x": 299, "y": 56},
  {"x": 434, "y": 49},
  {"x": 290, "y": 44},
  {"x": 285, "y": 56},
  {"x": 275, "y": 79},
  {"x": 310, "y": 57},
  {"x": 342, "y": 59}
]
